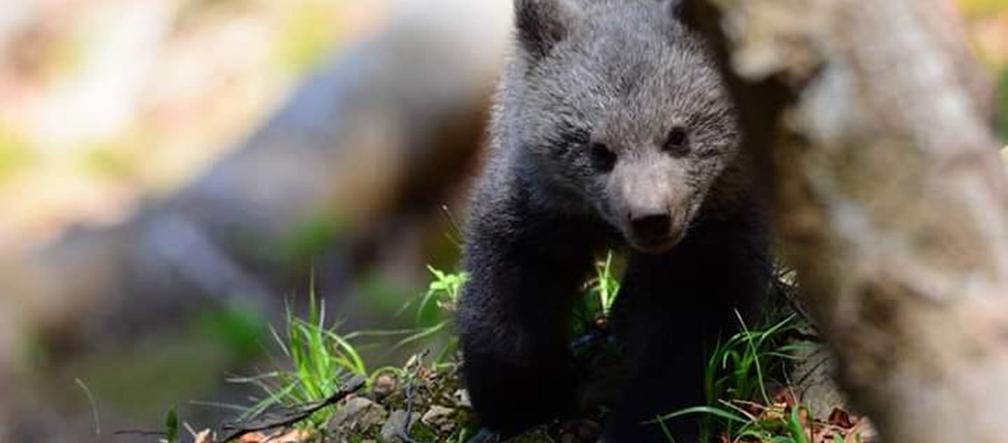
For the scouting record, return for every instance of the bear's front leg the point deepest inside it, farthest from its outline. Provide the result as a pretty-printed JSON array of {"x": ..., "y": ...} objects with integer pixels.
[
  {"x": 673, "y": 309},
  {"x": 525, "y": 270}
]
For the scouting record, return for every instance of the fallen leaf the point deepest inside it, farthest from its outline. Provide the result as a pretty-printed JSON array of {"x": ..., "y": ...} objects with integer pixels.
[
  {"x": 253, "y": 437},
  {"x": 841, "y": 418},
  {"x": 204, "y": 436}
]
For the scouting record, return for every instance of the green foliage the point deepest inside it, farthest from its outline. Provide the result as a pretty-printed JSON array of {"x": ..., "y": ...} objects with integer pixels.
[
  {"x": 738, "y": 367},
  {"x": 600, "y": 295},
  {"x": 795, "y": 427},
  {"x": 171, "y": 424},
  {"x": 316, "y": 358},
  {"x": 319, "y": 360},
  {"x": 605, "y": 286},
  {"x": 435, "y": 309},
  {"x": 442, "y": 295},
  {"x": 737, "y": 372}
]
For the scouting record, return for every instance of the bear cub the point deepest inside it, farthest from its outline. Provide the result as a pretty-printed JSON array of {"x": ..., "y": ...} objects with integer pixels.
[{"x": 612, "y": 129}]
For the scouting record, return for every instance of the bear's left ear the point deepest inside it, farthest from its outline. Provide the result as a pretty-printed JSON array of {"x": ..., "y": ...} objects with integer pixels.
[{"x": 542, "y": 24}]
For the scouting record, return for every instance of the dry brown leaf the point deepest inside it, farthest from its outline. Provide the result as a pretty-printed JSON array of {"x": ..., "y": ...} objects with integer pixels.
[
  {"x": 204, "y": 436},
  {"x": 253, "y": 437},
  {"x": 842, "y": 418},
  {"x": 786, "y": 396}
]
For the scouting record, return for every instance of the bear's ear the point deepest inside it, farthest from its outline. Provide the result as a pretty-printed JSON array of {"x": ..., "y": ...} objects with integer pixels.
[{"x": 542, "y": 24}]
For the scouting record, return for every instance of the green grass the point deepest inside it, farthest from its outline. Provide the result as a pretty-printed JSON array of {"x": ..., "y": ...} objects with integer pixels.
[
  {"x": 738, "y": 368},
  {"x": 316, "y": 360},
  {"x": 605, "y": 286},
  {"x": 739, "y": 380},
  {"x": 600, "y": 293},
  {"x": 749, "y": 397},
  {"x": 736, "y": 381},
  {"x": 442, "y": 296},
  {"x": 435, "y": 310}
]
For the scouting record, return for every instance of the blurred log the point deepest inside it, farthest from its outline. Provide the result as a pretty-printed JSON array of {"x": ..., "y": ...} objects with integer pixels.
[
  {"x": 869, "y": 119},
  {"x": 378, "y": 135}
]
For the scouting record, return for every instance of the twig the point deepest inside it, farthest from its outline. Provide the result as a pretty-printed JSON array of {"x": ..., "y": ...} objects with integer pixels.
[
  {"x": 788, "y": 290},
  {"x": 418, "y": 361},
  {"x": 351, "y": 386}
]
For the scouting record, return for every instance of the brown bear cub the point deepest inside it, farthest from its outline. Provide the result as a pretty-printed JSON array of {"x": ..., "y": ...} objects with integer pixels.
[{"x": 612, "y": 129}]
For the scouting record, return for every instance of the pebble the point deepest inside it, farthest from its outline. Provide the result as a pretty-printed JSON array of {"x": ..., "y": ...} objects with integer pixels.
[
  {"x": 393, "y": 429},
  {"x": 440, "y": 418},
  {"x": 359, "y": 413}
]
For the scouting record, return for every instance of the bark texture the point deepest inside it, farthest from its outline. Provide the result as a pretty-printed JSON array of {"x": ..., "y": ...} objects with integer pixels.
[{"x": 870, "y": 120}]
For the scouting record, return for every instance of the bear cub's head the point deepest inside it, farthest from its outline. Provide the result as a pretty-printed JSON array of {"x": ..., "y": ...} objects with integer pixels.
[{"x": 623, "y": 109}]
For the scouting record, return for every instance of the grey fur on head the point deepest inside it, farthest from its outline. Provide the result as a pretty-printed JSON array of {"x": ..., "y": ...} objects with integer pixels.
[{"x": 616, "y": 79}]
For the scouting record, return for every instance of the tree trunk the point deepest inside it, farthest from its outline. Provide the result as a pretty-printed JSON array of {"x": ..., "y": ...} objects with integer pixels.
[{"x": 869, "y": 120}]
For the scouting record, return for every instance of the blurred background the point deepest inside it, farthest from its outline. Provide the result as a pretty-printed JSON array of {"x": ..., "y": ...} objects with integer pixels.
[{"x": 173, "y": 172}]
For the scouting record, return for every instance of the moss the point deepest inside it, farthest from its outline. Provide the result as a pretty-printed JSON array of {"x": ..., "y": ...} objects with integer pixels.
[{"x": 422, "y": 432}]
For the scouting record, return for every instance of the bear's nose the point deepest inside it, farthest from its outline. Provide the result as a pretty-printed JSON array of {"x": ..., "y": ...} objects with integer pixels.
[{"x": 651, "y": 227}]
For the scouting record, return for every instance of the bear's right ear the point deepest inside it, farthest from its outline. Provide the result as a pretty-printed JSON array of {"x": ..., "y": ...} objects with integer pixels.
[{"x": 542, "y": 24}]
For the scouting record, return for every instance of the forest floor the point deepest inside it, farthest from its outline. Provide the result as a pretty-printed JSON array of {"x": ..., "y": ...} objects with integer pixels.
[{"x": 764, "y": 384}]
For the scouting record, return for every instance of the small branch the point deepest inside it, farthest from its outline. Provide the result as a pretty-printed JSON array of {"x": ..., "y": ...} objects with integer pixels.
[
  {"x": 415, "y": 373},
  {"x": 350, "y": 387}
]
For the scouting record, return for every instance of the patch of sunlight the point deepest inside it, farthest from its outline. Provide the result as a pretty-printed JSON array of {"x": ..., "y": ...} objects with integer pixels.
[
  {"x": 308, "y": 33},
  {"x": 980, "y": 8},
  {"x": 111, "y": 159},
  {"x": 16, "y": 152}
]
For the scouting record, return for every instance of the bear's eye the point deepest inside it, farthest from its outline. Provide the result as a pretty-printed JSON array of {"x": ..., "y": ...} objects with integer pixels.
[
  {"x": 602, "y": 158},
  {"x": 677, "y": 142}
]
